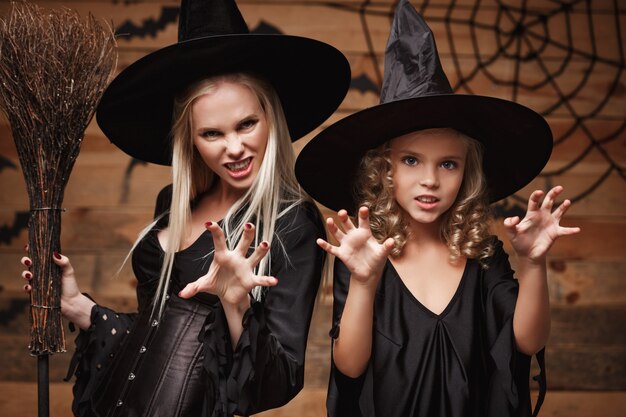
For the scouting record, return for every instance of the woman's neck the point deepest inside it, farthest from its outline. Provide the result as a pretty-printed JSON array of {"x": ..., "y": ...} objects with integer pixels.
[{"x": 215, "y": 203}]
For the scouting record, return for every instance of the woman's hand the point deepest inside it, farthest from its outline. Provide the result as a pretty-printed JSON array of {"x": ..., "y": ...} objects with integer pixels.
[
  {"x": 231, "y": 276},
  {"x": 361, "y": 253},
  {"x": 74, "y": 305},
  {"x": 533, "y": 236}
]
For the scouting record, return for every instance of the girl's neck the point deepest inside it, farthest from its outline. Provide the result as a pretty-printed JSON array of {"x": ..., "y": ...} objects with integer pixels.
[
  {"x": 426, "y": 233},
  {"x": 423, "y": 239}
]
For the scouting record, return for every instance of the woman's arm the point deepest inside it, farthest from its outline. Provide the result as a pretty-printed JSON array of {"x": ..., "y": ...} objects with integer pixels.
[
  {"x": 75, "y": 306},
  {"x": 231, "y": 276},
  {"x": 531, "y": 239}
]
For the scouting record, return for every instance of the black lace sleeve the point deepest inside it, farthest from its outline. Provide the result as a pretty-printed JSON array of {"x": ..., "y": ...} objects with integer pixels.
[{"x": 95, "y": 349}]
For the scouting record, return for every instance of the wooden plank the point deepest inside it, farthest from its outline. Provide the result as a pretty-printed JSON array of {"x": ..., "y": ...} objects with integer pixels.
[
  {"x": 600, "y": 240},
  {"x": 585, "y": 369},
  {"x": 112, "y": 181},
  {"x": 90, "y": 229},
  {"x": 605, "y": 201},
  {"x": 583, "y": 404},
  {"x": 152, "y": 27},
  {"x": 585, "y": 328},
  {"x": 596, "y": 5},
  {"x": 578, "y": 357},
  {"x": 96, "y": 273},
  {"x": 15, "y": 360},
  {"x": 311, "y": 402},
  {"x": 97, "y": 180},
  {"x": 586, "y": 283},
  {"x": 105, "y": 229},
  {"x": 580, "y": 133},
  {"x": 586, "y": 348},
  {"x": 566, "y": 150}
]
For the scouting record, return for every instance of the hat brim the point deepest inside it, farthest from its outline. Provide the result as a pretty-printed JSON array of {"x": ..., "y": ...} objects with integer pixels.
[
  {"x": 517, "y": 143},
  {"x": 135, "y": 113}
]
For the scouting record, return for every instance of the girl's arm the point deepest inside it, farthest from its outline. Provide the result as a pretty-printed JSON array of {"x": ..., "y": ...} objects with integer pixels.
[
  {"x": 531, "y": 239},
  {"x": 365, "y": 258}
]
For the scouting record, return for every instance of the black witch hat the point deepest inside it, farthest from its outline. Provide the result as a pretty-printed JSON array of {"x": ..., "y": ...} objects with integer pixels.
[
  {"x": 416, "y": 95},
  {"x": 310, "y": 77}
]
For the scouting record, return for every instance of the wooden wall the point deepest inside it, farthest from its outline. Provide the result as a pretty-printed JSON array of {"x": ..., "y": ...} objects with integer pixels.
[{"x": 576, "y": 79}]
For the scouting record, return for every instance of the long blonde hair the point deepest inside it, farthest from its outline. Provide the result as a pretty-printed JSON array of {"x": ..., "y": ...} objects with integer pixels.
[
  {"x": 464, "y": 227},
  {"x": 273, "y": 193}
]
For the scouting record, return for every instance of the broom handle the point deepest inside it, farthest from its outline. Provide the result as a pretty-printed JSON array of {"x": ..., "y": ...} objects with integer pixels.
[{"x": 43, "y": 387}]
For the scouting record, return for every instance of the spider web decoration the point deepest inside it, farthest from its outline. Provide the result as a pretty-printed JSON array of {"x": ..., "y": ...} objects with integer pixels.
[{"x": 558, "y": 53}]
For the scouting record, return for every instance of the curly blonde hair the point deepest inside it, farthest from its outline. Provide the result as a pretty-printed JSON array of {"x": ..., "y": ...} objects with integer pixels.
[{"x": 464, "y": 227}]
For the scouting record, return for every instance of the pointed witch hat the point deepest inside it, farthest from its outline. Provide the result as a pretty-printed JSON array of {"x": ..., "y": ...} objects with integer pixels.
[
  {"x": 416, "y": 95},
  {"x": 310, "y": 77}
]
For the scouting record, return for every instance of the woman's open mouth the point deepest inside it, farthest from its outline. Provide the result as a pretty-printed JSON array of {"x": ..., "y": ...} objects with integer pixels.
[{"x": 240, "y": 168}]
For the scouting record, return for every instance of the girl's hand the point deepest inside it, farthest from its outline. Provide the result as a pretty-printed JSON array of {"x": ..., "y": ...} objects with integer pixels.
[
  {"x": 533, "y": 236},
  {"x": 361, "y": 253},
  {"x": 231, "y": 275}
]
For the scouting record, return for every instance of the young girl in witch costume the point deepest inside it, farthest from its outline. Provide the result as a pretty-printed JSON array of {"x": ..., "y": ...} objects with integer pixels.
[
  {"x": 428, "y": 317},
  {"x": 220, "y": 106}
]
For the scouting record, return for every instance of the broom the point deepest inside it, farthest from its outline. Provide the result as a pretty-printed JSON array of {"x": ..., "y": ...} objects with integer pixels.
[{"x": 54, "y": 68}]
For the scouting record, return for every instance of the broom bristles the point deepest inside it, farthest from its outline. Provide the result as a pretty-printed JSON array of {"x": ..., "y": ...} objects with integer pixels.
[{"x": 54, "y": 67}]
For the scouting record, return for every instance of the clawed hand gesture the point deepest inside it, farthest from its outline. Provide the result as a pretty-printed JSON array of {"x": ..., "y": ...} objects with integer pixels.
[
  {"x": 358, "y": 249},
  {"x": 533, "y": 235},
  {"x": 231, "y": 275}
]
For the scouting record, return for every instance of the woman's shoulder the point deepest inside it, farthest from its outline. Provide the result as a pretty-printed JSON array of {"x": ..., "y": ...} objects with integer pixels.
[{"x": 163, "y": 201}]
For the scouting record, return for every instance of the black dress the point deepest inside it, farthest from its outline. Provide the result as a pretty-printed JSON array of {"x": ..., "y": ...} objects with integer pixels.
[
  {"x": 184, "y": 365},
  {"x": 460, "y": 363}
]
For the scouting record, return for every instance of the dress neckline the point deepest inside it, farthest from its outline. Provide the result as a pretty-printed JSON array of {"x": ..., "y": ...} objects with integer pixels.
[
  {"x": 428, "y": 311},
  {"x": 155, "y": 235}
]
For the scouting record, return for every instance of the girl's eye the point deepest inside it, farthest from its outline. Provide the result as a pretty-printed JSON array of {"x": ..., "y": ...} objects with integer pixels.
[
  {"x": 448, "y": 164},
  {"x": 247, "y": 124},
  {"x": 409, "y": 160}
]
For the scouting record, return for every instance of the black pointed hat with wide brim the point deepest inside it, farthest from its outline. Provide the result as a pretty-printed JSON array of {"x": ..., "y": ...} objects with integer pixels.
[
  {"x": 416, "y": 95},
  {"x": 310, "y": 77}
]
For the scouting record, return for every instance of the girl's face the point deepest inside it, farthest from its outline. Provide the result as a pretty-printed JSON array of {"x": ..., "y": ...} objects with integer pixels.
[
  {"x": 427, "y": 171},
  {"x": 230, "y": 131}
]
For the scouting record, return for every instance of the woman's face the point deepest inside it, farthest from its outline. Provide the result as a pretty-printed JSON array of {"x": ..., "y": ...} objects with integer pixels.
[
  {"x": 230, "y": 131},
  {"x": 427, "y": 171}
]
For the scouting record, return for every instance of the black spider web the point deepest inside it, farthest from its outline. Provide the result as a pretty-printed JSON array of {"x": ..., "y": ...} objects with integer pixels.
[{"x": 542, "y": 35}]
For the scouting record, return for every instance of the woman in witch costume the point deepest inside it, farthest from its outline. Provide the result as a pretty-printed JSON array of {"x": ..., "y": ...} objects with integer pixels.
[
  {"x": 229, "y": 270},
  {"x": 428, "y": 318}
]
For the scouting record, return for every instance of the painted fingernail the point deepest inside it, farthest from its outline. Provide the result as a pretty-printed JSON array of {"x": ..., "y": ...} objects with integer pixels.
[
  {"x": 25, "y": 247},
  {"x": 26, "y": 287},
  {"x": 208, "y": 224},
  {"x": 248, "y": 226},
  {"x": 57, "y": 255},
  {"x": 27, "y": 262},
  {"x": 264, "y": 244},
  {"x": 28, "y": 275}
]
